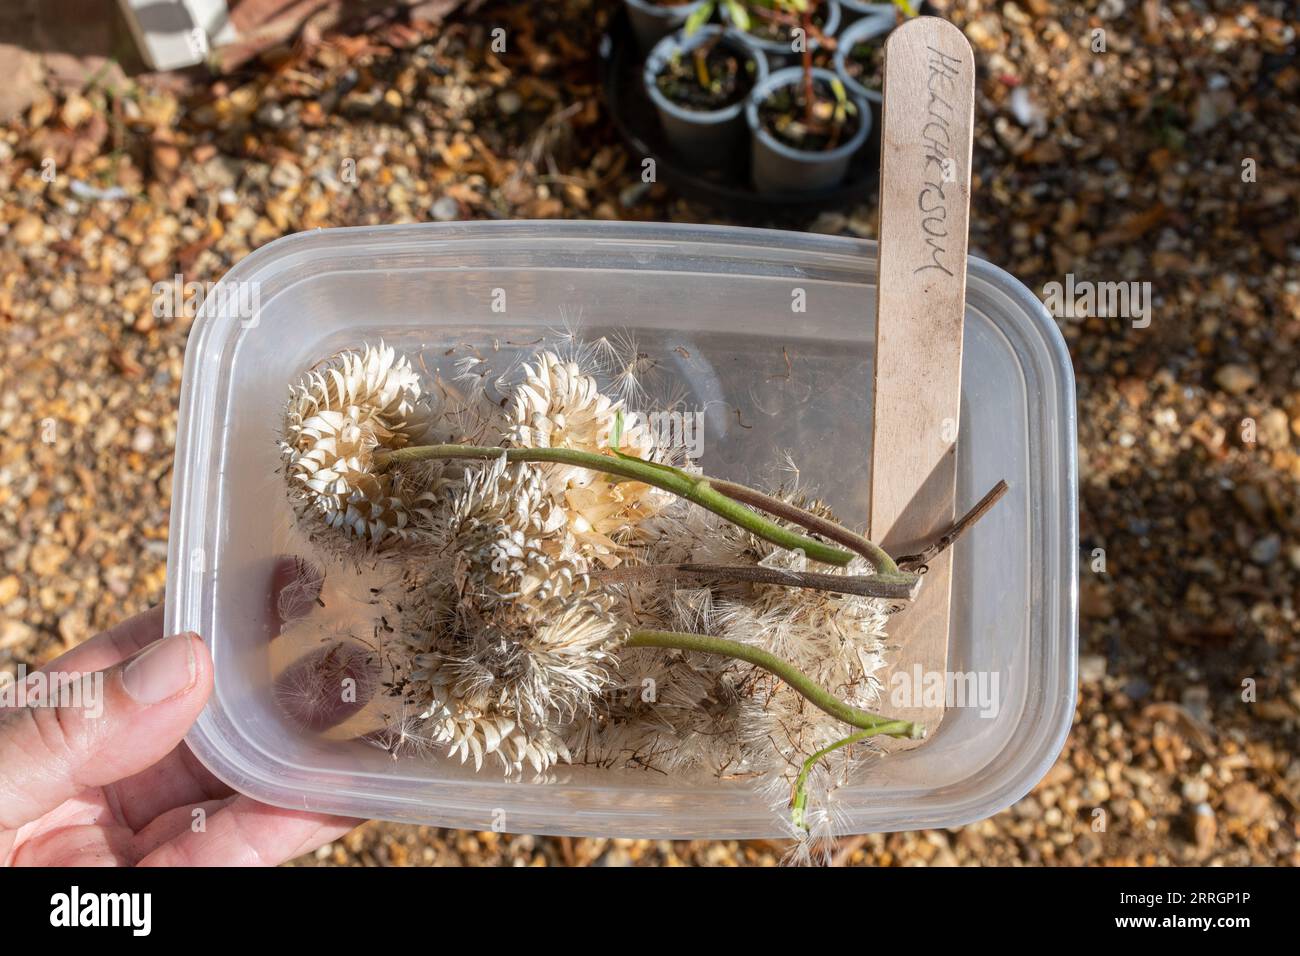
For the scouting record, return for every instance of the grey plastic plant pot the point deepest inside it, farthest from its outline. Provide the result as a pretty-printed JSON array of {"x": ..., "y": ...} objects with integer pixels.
[
  {"x": 851, "y": 11},
  {"x": 780, "y": 54},
  {"x": 651, "y": 22},
  {"x": 778, "y": 168},
  {"x": 705, "y": 138},
  {"x": 712, "y": 304},
  {"x": 870, "y": 28}
]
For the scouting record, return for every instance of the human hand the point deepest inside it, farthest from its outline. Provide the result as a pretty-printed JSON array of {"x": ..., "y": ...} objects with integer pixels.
[{"x": 121, "y": 788}]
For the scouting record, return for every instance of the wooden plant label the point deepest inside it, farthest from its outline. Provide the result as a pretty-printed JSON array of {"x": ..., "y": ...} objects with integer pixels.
[{"x": 925, "y": 157}]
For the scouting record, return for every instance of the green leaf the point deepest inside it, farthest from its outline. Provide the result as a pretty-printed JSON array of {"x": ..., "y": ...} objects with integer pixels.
[
  {"x": 843, "y": 107},
  {"x": 699, "y": 17},
  {"x": 616, "y": 434},
  {"x": 906, "y": 7},
  {"x": 738, "y": 14}
]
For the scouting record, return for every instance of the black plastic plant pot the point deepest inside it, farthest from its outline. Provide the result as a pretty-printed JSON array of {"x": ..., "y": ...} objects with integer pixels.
[
  {"x": 851, "y": 11},
  {"x": 705, "y": 138},
  {"x": 778, "y": 168},
  {"x": 780, "y": 53},
  {"x": 651, "y": 21},
  {"x": 868, "y": 30}
]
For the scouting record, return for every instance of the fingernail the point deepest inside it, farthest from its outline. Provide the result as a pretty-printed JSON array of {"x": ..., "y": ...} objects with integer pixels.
[{"x": 160, "y": 671}]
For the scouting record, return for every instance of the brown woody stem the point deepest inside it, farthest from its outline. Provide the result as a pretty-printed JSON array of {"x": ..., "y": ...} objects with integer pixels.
[
  {"x": 860, "y": 585},
  {"x": 873, "y": 552},
  {"x": 958, "y": 528}
]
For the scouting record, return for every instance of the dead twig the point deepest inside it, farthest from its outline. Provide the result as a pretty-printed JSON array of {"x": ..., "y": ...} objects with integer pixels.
[
  {"x": 860, "y": 585},
  {"x": 911, "y": 562}
]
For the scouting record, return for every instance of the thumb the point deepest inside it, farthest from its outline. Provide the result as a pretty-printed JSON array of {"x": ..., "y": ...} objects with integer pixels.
[{"x": 88, "y": 730}]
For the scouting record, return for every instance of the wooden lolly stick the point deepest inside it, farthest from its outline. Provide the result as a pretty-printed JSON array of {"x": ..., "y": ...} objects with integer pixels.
[{"x": 925, "y": 156}]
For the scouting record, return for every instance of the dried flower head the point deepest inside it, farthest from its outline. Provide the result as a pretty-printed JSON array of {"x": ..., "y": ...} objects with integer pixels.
[
  {"x": 520, "y": 646},
  {"x": 338, "y": 417},
  {"x": 724, "y": 716},
  {"x": 558, "y": 405},
  {"x": 672, "y": 712},
  {"x": 508, "y": 650},
  {"x": 511, "y": 540},
  {"x": 486, "y": 693}
]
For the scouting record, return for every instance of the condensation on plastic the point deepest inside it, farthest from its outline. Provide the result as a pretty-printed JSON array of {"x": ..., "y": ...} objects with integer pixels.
[{"x": 769, "y": 379}]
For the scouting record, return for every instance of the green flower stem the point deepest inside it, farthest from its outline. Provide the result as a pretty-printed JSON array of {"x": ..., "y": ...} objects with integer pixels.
[
  {"x": 886, "y": 569},
  {"x": 800, "y": 682},
  {"x": 696, "y": 489},
  {"x": 799, "y": 802}
]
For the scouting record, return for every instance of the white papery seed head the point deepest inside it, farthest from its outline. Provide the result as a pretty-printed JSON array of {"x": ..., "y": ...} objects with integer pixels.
[
  {"x": 523, "y": 649},
  {"x": 560, "y": 406},
  {"x": 338, "y": 417}
]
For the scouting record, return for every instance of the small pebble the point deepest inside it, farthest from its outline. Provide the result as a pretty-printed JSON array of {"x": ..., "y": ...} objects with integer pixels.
[
  {"x": 1092, "y": 668},
  {"x": 285, "y": 175},
  {"x": 60, "y": 299},
  {"x": 445, "y": 209},
  {"x": 1236, "y": 379},
  {"x": 272, "y": 115},
  {"x": 1247, "y": 802},
  {"x": 509, "y": 102},
  {"x": 1204, "y": 828},
  {"x": 142, "y": 441},
  {"x": 1195, "y": 790},
  {"x": 1266, "y": 550}
]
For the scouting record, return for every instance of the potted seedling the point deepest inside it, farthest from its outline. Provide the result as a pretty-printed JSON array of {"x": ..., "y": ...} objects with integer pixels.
[
  {"x": 804, "y": 125},
  {"x": 860, "y": 55},
  {"x": 786, "y": 30},
  {"x": 698, "y": 80},
  {"x": 652, "y": 20}
]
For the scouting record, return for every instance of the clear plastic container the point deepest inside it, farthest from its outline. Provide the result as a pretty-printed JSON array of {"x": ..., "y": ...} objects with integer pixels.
[{"x": 720, "y": 300}]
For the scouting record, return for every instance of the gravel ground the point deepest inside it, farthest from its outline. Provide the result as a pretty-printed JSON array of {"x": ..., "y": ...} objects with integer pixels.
[{"x": 1130, "y": 165}]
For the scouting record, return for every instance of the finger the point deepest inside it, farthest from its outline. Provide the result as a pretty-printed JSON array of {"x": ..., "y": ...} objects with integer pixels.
[
  {"x": 174, "y": 822},
  {"x": 112, "y": 646},
  {"x": 122, "y": 821},
  {"x": 125, "y": 720},
  {"x": 247, "y": 833},
  {"x": 178, "y": 780},
  {"x": 97, "y": 843},
  {"x": 62, "y": 829}
]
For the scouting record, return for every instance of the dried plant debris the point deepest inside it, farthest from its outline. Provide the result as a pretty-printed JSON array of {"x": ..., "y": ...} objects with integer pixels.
[
  {"x": 498, "y": 505},
  {"x": 338, "y": 416}
]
